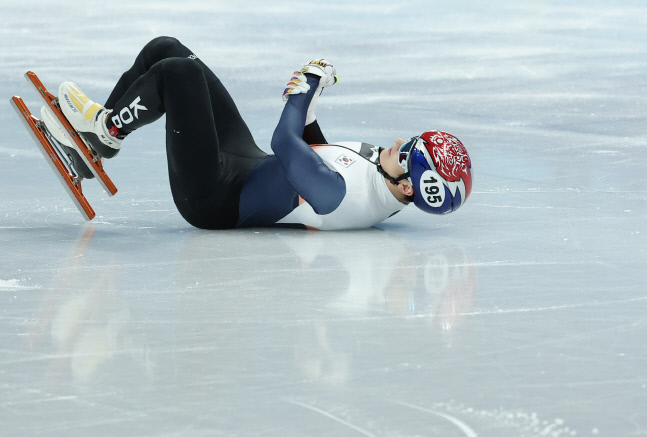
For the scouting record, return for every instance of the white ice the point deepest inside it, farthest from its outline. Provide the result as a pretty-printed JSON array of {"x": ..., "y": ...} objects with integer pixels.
[{"x": 522, "y": 314}]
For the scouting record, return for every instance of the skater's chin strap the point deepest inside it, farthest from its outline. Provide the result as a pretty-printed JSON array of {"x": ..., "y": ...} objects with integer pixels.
[{"x": 388, "y": 177}]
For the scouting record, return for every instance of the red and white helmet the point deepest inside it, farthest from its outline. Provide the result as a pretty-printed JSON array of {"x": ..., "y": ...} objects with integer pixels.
[{"x": 440, "y": 170}]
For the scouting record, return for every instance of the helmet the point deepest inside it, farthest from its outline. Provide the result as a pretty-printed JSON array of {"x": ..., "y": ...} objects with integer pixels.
[{"x": 439, "y": 168}]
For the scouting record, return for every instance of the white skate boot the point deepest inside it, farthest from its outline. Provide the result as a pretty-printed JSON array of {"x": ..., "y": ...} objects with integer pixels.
[
  {"x": 54, "y": 127},
  {"x": 89, "y": 119}
]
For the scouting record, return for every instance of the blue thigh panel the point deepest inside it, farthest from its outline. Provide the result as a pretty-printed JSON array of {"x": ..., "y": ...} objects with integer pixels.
[{"x": 267, "y": 195}]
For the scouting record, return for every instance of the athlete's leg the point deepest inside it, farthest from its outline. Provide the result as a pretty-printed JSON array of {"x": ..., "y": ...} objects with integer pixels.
[
  {"x": 162, "y": 47},
  {"x": 199, "y": 180},
  {"x": 234, "y": 135}
]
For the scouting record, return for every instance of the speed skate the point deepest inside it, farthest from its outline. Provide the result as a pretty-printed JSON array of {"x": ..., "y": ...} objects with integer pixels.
[{"x": 58, "y": 153}]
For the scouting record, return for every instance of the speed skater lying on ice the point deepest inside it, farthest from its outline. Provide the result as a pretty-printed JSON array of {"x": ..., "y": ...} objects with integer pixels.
[{"x": 221, "y": 179}]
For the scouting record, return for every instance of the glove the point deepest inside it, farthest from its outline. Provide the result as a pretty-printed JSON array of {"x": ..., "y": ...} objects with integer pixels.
[
  {"x": 323, "y": 69},
  {"x": 319, "y": 67},
  {"x": 298, "y": 84}
]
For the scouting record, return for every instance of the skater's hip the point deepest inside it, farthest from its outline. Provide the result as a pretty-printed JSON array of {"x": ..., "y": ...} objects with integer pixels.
[
  {"x": 213, "y": 203},
  {"x": 216, "y": 211}
]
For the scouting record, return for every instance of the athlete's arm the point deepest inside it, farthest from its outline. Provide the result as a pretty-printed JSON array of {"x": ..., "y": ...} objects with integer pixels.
[
  {"x": 299, "y": 84},
  {"x": 321, "y": 187}
]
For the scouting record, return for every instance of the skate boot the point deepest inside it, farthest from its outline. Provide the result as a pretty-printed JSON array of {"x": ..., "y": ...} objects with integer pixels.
[
  {"x": 89, "y": 119},
  {"x": 54, "y": 128}
]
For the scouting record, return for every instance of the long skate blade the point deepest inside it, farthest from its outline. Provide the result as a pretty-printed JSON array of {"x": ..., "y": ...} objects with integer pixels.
[
  {"x": 71, "y": 184},
  {"x": 94, "y": 164}
]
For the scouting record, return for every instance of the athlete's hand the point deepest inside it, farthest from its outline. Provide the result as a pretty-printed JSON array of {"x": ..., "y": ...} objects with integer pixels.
[
  {"x": 325, "y": 70},
  {"x": 297, "y": 85},
  {"x": 319, "y": 67}
]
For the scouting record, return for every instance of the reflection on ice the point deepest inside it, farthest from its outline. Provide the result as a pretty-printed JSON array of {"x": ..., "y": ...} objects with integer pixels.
[
  {"x": 365, "y": 273},
  {"x": 384, "y": 275},
  {"x": 87, "y": 318},
  {"x": 351, "y": 275},
  {"x": 450, "y": 280}
]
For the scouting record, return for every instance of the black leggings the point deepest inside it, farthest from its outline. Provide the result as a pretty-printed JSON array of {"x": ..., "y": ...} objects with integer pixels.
[{"x": 209, "y": 148}]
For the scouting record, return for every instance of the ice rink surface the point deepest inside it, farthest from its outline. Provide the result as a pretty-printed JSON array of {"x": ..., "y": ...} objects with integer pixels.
[{"x": 522, "y": 314}]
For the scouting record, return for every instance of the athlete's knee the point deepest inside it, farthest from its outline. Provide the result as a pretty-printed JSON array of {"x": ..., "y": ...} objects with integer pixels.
[
  {"x": 163, "y": 42},
  {"x": 162, "y": 47},
  {"x": 181, "y": 67}
]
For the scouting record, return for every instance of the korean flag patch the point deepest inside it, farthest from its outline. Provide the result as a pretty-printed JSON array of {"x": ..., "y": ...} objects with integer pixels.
[{"x": 345, "y": 160}]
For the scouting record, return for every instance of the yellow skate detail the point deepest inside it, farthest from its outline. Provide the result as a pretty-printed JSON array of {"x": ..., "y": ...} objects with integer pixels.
[{"x": 85, "y": 106}]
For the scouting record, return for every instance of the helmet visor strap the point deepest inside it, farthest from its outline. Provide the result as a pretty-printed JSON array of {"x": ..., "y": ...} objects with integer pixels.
[{"x": 387, "y": 176}]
